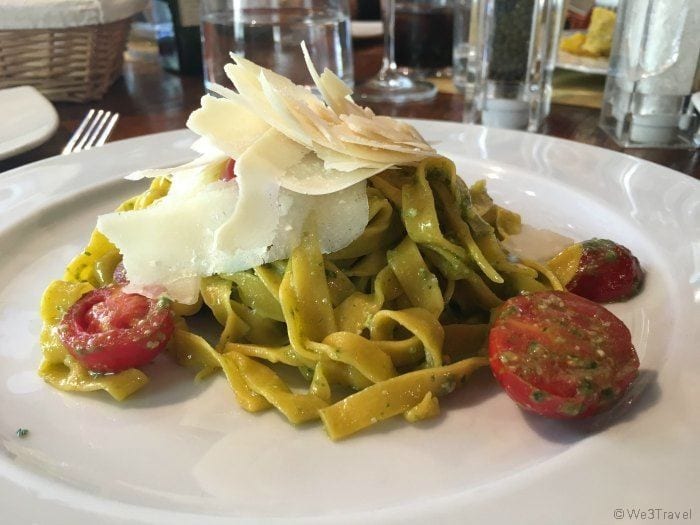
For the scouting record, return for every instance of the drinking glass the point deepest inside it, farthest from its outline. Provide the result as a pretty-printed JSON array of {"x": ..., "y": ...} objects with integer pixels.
[
  {"x": 268, "y": 32},
  {"x": 461, "y": 49},
  {"x": 423, "y": 37},
  {"x": 654, "y": 68},
  {"x": 390, "y": 85}
]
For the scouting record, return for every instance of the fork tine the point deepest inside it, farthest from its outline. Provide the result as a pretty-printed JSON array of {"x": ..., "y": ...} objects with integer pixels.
[
  {"x": 96, "y": 132},
  {"x": 93, "y": 131},
  {"x": 86, "y": 134},
  {"x": 78, "y": 133},
  {"x": 107, "y": 131}
]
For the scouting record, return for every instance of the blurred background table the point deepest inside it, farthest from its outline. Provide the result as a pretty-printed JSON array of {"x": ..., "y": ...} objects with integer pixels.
[{"x": 151, "y": 100}]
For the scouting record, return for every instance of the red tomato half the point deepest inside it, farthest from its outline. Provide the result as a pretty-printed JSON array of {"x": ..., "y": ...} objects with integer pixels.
[
  {"x": 108, "y": 330},
  {"x": 607, "y": 272},
  {"x": 560, "y": 355},
  {"x": 600, "y": 270}
]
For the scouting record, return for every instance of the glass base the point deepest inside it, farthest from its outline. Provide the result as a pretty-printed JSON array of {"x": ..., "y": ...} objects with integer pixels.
[
  {"x": 391, "y": 86},
  {"x": 636, "y": 119},
  {"x": 508, "y": 105},
  {"x": 629, "y": 135},
  {"x": 425, "y": 73}
]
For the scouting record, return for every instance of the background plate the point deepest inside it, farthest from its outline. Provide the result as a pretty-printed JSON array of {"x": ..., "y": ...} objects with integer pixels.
[
  {"x": 28, "y": 120},
  {"x": 364, "y": 29},
  {"x": 582, "y": 64},
  {"x": 179, "y": 452}
]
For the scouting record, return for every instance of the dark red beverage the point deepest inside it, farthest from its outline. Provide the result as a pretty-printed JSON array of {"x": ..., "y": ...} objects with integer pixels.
[{"x": 424, "y": 35}]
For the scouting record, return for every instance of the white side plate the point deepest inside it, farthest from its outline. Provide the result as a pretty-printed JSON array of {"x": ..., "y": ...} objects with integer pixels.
[{"x": 28, "y": 120}]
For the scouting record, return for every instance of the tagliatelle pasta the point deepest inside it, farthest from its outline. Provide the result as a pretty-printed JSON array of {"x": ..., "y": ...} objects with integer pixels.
[
  {"x": 381, "y": 327},
  {"x": 323, "y": 240}
]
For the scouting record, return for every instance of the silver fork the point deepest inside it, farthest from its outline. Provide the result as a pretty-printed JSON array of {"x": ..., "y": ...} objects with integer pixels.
[{"x": 92, "y": 132}]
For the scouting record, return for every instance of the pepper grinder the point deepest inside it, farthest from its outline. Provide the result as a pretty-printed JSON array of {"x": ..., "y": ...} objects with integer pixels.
[{"x": 512, "y": 53}]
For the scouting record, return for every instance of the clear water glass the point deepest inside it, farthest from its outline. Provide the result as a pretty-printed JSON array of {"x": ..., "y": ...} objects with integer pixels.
[
  {"x": 269, "y": 33},
  {"x": 654, "y": 69},
  {"x": 512, "y": 53},
  {"x": 460, "y": 45}
]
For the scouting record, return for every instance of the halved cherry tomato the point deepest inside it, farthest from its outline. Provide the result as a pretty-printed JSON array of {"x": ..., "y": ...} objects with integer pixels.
[
  {"x": 108, "y": 330},
  {"x": 600, "y": 270},
  {"x": 227, "y": 173},
  {"x": 560, "y": 355}
]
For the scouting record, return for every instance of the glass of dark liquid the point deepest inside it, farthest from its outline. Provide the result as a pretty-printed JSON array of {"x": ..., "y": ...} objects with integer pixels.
[
  {"x": 424, "y": 37},
  {"x": 390, "y": 84}
]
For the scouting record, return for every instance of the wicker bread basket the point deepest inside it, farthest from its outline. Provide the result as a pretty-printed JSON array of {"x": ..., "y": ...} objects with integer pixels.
[
  {"x": 67, "y": 63},
  {"x": 73, "y": 64}
]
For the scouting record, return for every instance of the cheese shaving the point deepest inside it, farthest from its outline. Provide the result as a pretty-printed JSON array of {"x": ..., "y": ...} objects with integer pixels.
[{"x": 300, "y": 160}]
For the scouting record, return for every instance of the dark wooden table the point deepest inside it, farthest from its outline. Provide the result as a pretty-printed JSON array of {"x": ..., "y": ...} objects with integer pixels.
[{"x": 152, "y": 100}]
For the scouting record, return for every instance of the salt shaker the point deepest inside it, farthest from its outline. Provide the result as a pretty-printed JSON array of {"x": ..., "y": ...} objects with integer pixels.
[{"x": 653, "y": 72}]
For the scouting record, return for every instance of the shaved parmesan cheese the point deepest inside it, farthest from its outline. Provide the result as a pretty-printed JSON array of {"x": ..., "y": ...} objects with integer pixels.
[
  {"x": 222, "y": 91},
  {"x": 310, "y": 177},
  {"x": 373, "y": 155},
  {"x": 290, "y": 91},
  {"x": 317, "y": 128},
  {"x": 259, "y": 170},
  {"x": 350, "y": 137},
  {"x": 340, "y": 128},
  {"x": 278, "y": 108},
  {"x": 351, "y": 142},
  {"x": 171, "y": 243},
  {"x": 228, "y": 124},
  {"x": 247, "y": 76},
  {"x": 334, "y": 160},
  {"x": 537, "y": 244},
  {"x": 339, "y": 218},
  {"x": 378, "y": 130},
  {"x": 333, "y": 90},
  {"x": 204, "y": 146},
  {"x": 301, "y": 163},
  {"x": 195, "y": 165},
  {"x": 191, "y": 181}
]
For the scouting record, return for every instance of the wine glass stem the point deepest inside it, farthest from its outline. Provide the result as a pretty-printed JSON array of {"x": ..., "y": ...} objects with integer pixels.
[{"x": 389, "y": 21}]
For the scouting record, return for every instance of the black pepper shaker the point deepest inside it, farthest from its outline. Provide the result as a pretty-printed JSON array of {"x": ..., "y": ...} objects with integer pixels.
[{"x": 513, "y": 45}]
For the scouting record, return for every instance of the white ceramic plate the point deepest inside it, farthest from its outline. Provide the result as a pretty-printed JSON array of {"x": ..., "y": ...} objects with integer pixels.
[
  {"x": 582, "y": 64},
  {"x": 179, "y": 452},
  {"x": 28, "y": 120},
  {"x": 363, "y": 29}
]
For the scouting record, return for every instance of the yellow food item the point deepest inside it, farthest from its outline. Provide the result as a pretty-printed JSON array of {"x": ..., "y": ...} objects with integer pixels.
[
  {"x": 600, "y": 32},
  {"x": 573, "y": 44},
  {"x": 597, "y": 41},
  {"x": 396, "y": 318}
]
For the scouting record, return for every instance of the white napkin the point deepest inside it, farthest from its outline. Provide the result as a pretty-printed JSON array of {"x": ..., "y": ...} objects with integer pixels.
[{"x": 56, "y": 14}]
